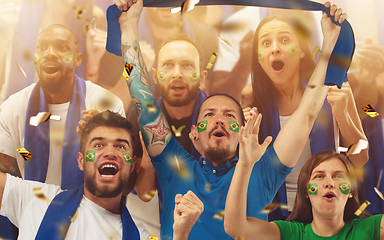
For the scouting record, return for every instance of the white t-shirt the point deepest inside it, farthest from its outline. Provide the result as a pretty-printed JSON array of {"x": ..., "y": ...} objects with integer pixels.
[
  {"x": 291, "y": 180},
  {"x": 12, "y": 120},
  {"x": 26, "y": 211}
]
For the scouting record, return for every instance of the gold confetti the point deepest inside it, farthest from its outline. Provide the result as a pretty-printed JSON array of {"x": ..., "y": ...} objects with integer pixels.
[
  {"x": 127, "y": 71},
  {"x": 379, "y": 193},
  {"x": 149, "y": 195},
  {"x": 153, "y": 238},
  {"x": 368, "y": 109},
  {"x": 240, "y": 238},
  {"x": 91, "y": 24},
  {"x": 39, "y": 193},
  {"x": 177, "y": 131},
  {"x": 207, "y": 187},
  {"x": 219, "y": 215},
  {"x": 181, "y": 168},
  {"x": 177, "y": 163},
  {"x": 174, "y": 9},
  {"x": 74, "y": 216},
  {"x": 21, "y": 70},
  {"x": 362, "y": 208},
  {"x": 212, "y": 60},
  {"x": 188, "y": 5},
  {"x": 24, "y": 153},
  {"x": 151, "y": 108},
  {"x": 317, "y": 49},
  {"x": 223, "y": 41},
  {"x": 39, "y": 118},
  {"x": 272, "y": 206}
]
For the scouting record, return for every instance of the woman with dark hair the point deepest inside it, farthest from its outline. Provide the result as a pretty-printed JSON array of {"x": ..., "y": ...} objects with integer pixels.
[
  {"x": 281, "y": 66},
  {"x": 325, "y": 206}
]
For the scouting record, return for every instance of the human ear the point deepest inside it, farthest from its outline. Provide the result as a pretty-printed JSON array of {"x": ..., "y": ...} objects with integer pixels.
[
  {"x": 80, "y": 160},
  {"x": 78, "y": 59},
  {"x": 154, "y": 75},
  {"x": 194, "y": 132}
]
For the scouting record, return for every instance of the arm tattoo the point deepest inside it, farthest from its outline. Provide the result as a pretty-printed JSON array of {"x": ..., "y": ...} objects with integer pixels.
[{"x": 153, "y": 125}]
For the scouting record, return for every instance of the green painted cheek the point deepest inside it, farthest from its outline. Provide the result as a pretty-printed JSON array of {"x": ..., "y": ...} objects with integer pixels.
[
  {"x": 202, "y": 126},
  {"x": 162, "y": 76},
  {"x": 193, "y": 77},
  {"x": 90, "y": 156},
  {"x": 233, "y": 126},
  {"x": 67, "y": 59},
  {"x": 293, "y": 51},
  {"x": 261, "y": 56},
  {"x": 345, "y": 188},
  {"x": 312, "y": 188},
  {"x": 127, "y": 158}
]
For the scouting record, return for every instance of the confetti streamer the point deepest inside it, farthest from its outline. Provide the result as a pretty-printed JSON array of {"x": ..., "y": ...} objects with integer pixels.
[
  {"x": 55, "y": 117},
  {"x": 219, "y": 215},
  {"x": 368, "y": 109},
  {"x": 362, "y": 208},
  {"x": 74, "y": 216},
  {"x": 212, "y": 60},
  {"x": 127, "y": 71},
  {"x": 39, "y": 193},
  {"x": 378, "y": 193},
  {"x": 317, "y": 49},
  {"x": 223, "y": 41},
  {"x": 91, "y": 25},
  {"x": 151, "y": 108},
  {"x": 149, "y": 195},
  {"x": 355, "y": 148},
  {"x": 153, "y": 238},
  {"x": 21, "y": 70},
  {"x": 39, "y": 118},
  {"x": 188, "y": 5},
  {"x": 174, "y": 9},
  {"x": 180, "y": 167}
]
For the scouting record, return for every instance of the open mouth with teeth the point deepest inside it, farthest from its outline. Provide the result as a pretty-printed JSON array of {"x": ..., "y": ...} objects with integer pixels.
[
  {"x": 108, "y": 170},
  {"x": 277, "y": 65},
  {"x": 50, "y": 69}
]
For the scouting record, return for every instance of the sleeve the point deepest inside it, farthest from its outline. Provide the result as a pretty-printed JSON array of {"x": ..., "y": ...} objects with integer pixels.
[
  {"x": 371, "y": 226},
  {"x": 166, "y": 162},
  {"x": 273, "y": 172},
  {"x": 6, "y": 122},
  {"x": 18, "y": 194},
  {"x": 289, "y": 230},
  {"x": 228, "y": 54}
]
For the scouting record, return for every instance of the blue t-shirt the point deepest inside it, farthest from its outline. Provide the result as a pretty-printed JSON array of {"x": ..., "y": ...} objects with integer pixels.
[{"x": 211, "y": 185}]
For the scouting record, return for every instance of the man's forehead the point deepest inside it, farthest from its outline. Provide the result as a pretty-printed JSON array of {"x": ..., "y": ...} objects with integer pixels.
[
  {"x": 177, "y": 48},
  {"x": 109, "y": 134},
  {"x": 57, "y": 33},
  {"x": 216, "y": 102}
]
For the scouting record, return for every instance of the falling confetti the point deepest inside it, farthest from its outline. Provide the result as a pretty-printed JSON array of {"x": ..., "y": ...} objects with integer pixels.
[
  {"x": 317, "y": 49},
  {"x": 127, "y": 70},
  {"x": 39, "y": 118},
  {"x": 223, "y": 41},
  {"x": 188, "y": 5},
  {"x": 74, "y": 216},
  {"x": 177, "y": 131},
  {"x": 39, "y": 193},
  {"x": 174, "y": 9},
  {"x": 219, "y": 215},
  {"x": 91, "y": 25},
  {"x": 24, "y": 153},
  {"x": 368, "y": 109},
  {"x": 153, "y": 238},
  {"x": 21, "y": 70},
  {"x": 378, "y": 193},
  {"x": 149, "y": 195},
  {"x": 272, "y": 206},
  {"x": 211, "y": 60},
  {"x": 362, "y": 208},
  {"x": 181, "y": 169},
  {"x": 207, "y": 187},
  {"x": 355, "y": 148},
  {"x": 151, "y": 108}
]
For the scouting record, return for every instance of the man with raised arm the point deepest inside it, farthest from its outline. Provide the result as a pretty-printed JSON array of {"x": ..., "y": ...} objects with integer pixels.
[{"x": 217, "y": 129}]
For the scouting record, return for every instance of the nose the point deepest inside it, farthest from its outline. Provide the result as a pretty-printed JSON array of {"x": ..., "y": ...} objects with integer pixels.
[
  {"x": 49, "y": 51},
  {"x": 110, "y": 152},
  {"x": 219, "y": 120},
  {"x": 275, "y": 48},
  {"x": 177, "y": 73},
  {"x": 329, "y": 183}
]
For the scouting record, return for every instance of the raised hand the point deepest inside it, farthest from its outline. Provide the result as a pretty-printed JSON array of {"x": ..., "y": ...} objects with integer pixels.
[
  {"x": 87, "y": 115},
  {"x": 339, "y": 98},
  {"x": 330, "y": 30},
  {"x": 250, "y": 151}
]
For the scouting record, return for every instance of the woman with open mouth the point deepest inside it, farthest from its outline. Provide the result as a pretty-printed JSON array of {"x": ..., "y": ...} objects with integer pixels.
[{"x": 281, "y": 67}]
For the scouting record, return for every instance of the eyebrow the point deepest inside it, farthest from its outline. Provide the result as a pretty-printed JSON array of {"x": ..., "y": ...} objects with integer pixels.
[
  {"x": 103, "y": 138},
  {"x": 339, "y": 171}
]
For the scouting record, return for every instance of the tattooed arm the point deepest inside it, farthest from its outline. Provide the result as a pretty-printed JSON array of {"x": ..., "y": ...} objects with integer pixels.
[{"x": 153, "y": 125}]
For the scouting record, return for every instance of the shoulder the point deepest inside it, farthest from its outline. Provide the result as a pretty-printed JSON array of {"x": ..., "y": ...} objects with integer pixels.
[
  {"x": 291, "y": 229},
  {"x": 20, "y": 98}
]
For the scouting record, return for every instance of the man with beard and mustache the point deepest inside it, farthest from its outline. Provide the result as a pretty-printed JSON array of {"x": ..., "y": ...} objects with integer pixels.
[
  {"x": 224, "y": 141},
  {"x": 96, "y": 209}
]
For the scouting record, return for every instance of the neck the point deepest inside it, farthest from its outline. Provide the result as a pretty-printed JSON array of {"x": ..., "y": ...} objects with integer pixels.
[
  {"x": 288, "y": 96},
  {"x": 110, "y": 204},
  {"x": 216, "y": 163},
  {"x": 179, "y": 112},
  {"x": 327, "y": 227},
  {"x": 61, "y": 94}
]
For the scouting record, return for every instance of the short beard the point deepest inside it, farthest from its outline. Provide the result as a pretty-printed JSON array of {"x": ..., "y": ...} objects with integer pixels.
[
  {"x": 103, "y": 193},
  {"x": 217, "y": 156},
  {"x": 176, "y": 102}
]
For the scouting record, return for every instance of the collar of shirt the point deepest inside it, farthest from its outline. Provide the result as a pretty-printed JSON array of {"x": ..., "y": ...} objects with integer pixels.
[{"x": 219, "y": 170}]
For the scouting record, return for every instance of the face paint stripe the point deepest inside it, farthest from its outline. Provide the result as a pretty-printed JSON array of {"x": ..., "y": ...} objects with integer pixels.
[
  {"x": 90, "y": 156},
  {"x": 202, "y": 126},
  {"x": 312, "y": 188}
]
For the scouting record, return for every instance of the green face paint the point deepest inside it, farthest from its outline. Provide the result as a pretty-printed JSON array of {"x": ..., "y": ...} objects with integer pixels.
[
  {"x": 261, "y": 56},
  {"x": 162, "y": 76},
  {"x": 312, "y": 188},
  {"x": 344, "y": 188},
  {"x": 293, "y": 51},
  {"x": 127, "y": 157},
  {"x": 37, "y": 58},
  {"x": 233, "y": 126},
  {"x": 90, "y": 156},
  {"x": 202, "y": 126},
  {"x": 193, "y": 77},
  {"x": 68, "y": 58}
]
